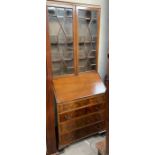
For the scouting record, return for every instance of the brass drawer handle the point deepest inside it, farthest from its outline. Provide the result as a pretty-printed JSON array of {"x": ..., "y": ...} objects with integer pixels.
[{"x": 67, "y": 117}]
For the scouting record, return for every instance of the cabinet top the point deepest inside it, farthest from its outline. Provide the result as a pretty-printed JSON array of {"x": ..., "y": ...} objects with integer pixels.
[
  {"x": 76, "y": 87},
  {"x": 61, "y": 2}
]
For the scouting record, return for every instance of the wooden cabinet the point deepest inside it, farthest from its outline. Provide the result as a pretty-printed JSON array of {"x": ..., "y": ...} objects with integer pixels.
[
  {"x": 81, "y": 107},
  {"x": 78, "y": 88},
  {"x": 74, "y": 37}
]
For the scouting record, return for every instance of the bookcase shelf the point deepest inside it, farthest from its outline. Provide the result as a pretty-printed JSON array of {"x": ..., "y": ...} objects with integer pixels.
[
  {"x": 74, "y": 39},
  {"x": 73, "y": 56}
]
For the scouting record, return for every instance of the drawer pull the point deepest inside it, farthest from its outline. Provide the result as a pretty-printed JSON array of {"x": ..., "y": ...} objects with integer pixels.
[{"x": 67, "y": 117}]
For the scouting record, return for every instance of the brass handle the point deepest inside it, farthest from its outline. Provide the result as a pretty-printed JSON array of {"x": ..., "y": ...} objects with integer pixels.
[{"x": 67, "y": 117}]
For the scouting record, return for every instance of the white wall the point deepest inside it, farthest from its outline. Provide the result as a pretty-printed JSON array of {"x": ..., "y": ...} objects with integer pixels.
[{"x": 104, "y": 31}]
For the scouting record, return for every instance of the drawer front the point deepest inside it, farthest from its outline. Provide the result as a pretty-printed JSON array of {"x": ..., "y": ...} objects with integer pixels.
[
  {"x": 77, "y": 104},
  {"x": 79, "y": 113},
  {"x": 81, "y": 133},
  {"x": 82, "y": 122}
]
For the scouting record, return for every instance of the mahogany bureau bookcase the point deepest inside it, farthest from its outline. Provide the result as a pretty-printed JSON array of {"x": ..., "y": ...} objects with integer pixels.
[{"x": 79, "y": 91}]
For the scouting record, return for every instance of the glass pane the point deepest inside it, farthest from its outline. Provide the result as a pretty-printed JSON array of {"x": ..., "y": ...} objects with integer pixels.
[
  {"x": 87, "y": 39},
  {"x": 61, "y": 37}
]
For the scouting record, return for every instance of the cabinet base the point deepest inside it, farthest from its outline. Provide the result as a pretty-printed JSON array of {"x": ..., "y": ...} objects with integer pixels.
[{"x": 62, "y": 147}]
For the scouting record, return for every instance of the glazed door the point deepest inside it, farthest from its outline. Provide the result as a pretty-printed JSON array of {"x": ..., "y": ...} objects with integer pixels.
[
  {"x": 88, "y": 37},
  {"x": 61, "y": 27}
]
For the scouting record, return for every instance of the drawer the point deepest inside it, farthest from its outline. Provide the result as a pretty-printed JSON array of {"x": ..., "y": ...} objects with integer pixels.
[
  {"x": 80, "y": 112},
  {"x": 76, "y": 104},
  {"x": 81, "y": 133},
  {"x": 82, "y": 122}
]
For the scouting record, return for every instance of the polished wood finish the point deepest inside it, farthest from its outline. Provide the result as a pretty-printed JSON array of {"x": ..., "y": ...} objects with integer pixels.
[
  {"x": 81, "y": 133},
  {"x": 81, "y": 122},
  {"x": 80, "y": 97},
  {"x": 50, "y": 116},
  {"x": 78, "y": 116},
  {"x": 80, "y": 112},
  {"x": 75, "y": 87},
  {"x": 81, "y": 103},
  {"x": 92, "y": 63},
  {"x": 75, "y": 40}
]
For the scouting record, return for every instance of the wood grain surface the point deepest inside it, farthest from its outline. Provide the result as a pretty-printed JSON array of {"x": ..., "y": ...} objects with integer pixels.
[
  {"x": 75, "y": 87},
  {"x": 50, "y": 115}
]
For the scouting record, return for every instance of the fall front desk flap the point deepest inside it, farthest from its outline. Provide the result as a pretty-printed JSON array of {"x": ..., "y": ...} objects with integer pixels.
[{"x": 75, "y": 87}]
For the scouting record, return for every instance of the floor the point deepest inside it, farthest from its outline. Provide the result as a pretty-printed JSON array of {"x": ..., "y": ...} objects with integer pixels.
[{"x": 84, "y": 147}]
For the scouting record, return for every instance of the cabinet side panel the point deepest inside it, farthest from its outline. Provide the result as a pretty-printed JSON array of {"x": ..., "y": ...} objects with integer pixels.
[{"x": 50, "y": 123}]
